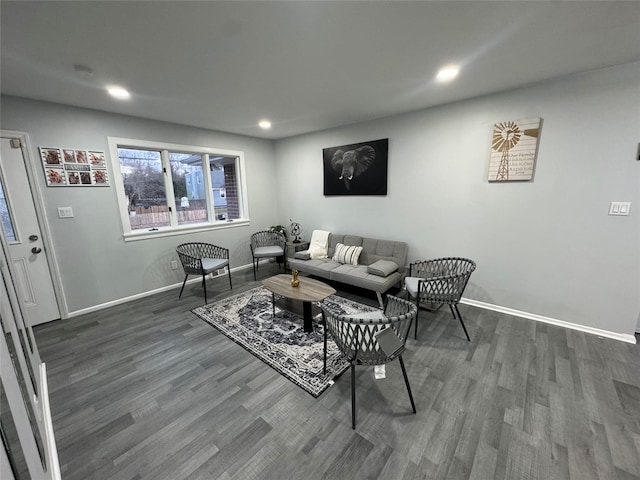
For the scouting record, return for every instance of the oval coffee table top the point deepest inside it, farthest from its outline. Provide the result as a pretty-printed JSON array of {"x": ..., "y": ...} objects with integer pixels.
[{"x": 309, "y": 290}]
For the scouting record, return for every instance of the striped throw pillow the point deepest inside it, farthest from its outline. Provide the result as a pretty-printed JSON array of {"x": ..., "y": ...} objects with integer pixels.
[{"x": 347, "y": 254}]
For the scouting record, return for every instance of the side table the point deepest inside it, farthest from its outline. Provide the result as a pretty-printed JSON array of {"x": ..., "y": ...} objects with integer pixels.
[{"x": 291, "y": 248}]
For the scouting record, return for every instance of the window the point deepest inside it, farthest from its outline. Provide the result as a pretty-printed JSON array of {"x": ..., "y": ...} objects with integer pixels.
[
  {"x": 5, "y": 214},
  {"x": 165, "y": 189}
]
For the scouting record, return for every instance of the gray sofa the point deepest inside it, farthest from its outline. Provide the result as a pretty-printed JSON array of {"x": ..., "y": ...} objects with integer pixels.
[{"x": 381, "y": 264}]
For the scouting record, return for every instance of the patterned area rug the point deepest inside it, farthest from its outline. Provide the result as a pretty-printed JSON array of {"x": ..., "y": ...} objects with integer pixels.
[{"x": 280, "y": 342}]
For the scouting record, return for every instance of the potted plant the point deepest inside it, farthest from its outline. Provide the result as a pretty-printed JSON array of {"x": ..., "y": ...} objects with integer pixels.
[{"x": 279, "y": 228}]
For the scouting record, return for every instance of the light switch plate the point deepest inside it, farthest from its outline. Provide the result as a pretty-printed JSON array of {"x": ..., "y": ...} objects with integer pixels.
[
  {"x": 65, "y": 212},
  {"x": 619, "y": 208}
]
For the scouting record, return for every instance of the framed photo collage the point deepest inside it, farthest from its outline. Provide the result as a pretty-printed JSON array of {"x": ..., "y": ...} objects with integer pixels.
[{"x": 66, "y": 167}]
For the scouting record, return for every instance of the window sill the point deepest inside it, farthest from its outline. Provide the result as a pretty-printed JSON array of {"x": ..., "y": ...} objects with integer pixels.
[{"x": 170, "y": 232}]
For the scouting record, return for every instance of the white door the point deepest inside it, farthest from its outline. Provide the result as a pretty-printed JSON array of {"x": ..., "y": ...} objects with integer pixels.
[
  {"x": 27, "y": 429},
  {"x": 21, "y": 231}
]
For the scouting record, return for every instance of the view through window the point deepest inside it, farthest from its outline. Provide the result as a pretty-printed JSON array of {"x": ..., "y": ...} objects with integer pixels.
[
  {"x": 170, "y": 188},
  {"x": 5, "y": 214}
]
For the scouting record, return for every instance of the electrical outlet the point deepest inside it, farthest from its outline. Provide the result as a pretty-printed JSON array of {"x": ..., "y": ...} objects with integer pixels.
[
  {"x": 65, "y": 212},
  {"x": 619, "y": 208},
  {"x": 174, "y": 264}
]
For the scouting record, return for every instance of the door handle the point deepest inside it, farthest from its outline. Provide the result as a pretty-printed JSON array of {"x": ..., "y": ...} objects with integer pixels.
[
  {"x": 36, "y": 250},
  {"x": 33, "y": 238}
]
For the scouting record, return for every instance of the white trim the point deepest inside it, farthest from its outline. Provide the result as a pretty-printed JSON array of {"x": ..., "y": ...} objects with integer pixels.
[
  {"x": 138, "y": 296},
  {"x": 10, "y": 209},
  {"x": 241, "y": 179},
  {"x": 169, "y": 232},
  {"x": 208, "y": 189},
  {"x": 623, "y": 337},
  {"x": 53, "y": 472}
]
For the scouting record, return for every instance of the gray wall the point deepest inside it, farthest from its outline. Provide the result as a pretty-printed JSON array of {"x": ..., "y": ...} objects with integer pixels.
[
  {"x": 95, "y": 263},
  {"x": 545, "y": 247}
]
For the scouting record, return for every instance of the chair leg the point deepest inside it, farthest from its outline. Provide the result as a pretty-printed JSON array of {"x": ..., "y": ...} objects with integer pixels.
[
  {"x": 273, "y": 304},
  {"x": 229, "y": 273},
  {"x": 415, "y": 331},
  {"x": 324, "y": 326},
  {"x": 380, "y": 301},
  {"x": 183, "y": 283},
  {"x": 406, "y": 382},
  {"x": 353, "y": 396},
  {"x": 253, "y": 262},
  {"x": 459, "y": 318},
  {"x": 204, "y": 288}
]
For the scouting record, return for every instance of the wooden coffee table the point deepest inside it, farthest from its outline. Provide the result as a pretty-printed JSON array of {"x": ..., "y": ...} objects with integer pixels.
[{"x": 308, "y": 291}]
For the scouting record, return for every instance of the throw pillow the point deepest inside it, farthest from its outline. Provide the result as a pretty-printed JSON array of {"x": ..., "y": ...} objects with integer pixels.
[
  {"x": 348, "y": 254},
  {"x": 382, "y": 268}
]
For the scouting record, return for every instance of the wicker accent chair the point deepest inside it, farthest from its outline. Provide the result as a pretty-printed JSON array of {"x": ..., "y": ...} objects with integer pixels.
[
  {"x": 439, "y": 281},
  {"x": 357, "y": 336},
  {"x": 266, "y": 244},
  {"x": 199, "y": 258}
]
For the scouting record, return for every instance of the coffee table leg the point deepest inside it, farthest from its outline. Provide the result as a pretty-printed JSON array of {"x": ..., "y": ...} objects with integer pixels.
[
  {"x": 306, "y": 315},
  {"x": 273, "y": 303}
]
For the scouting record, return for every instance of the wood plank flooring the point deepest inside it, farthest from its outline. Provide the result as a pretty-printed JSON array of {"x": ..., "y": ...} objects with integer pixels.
[{"x": 146, "y": 390}]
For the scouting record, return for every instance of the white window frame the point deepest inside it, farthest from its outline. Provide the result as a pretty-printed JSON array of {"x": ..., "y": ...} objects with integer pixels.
[{"x": 174, "y": 228}]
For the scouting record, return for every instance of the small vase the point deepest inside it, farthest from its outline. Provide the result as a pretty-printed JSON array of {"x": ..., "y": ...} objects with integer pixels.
[{"x": 294, "y": 281}]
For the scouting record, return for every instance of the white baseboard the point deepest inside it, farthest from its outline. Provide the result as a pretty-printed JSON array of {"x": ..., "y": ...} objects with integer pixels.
[
  {"x": 137, "y": 296},
  {"x": 553, "y": 321}
]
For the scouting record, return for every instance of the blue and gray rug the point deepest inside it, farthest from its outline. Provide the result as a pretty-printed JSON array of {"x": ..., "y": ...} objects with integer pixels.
[{"x": 280, "y": 342}]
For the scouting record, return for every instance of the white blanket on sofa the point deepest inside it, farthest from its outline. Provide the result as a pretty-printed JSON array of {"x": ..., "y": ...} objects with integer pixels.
[{"x": 319, "y": 244}]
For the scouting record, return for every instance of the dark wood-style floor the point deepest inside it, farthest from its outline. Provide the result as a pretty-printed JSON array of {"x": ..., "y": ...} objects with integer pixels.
[{"x": 146, "y": 390}]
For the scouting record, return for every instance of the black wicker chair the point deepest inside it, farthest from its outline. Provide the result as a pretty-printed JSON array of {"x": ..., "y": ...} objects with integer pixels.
[
  {"x": 267, "y": 244},
  {"x": 439, "y": 281},
  {"x": 199, "y": 258},
  {"x": 360, "y": 339}
]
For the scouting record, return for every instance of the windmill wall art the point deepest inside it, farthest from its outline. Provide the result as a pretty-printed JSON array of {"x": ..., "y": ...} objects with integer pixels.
[
  {"x": 356, "y": 169},
  {"x": 514, "y": 148}
]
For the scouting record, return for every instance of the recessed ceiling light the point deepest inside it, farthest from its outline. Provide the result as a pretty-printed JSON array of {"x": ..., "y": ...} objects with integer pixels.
[
  {"x": 264, "y": 124},
  {"x": 446, "y": 74},
  {"x": 118, "y": 92}
]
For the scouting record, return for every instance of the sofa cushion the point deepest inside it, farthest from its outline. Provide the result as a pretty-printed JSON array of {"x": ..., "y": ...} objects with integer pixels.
[
  {"x": 320, "y": 267},
  {"x": 358, "y": 277},
  {"x": 302, "y": 255},
  {"x": 374, "y": 250},
  {"x": 382, "y": 268},
  {"x": 347, "y": 254}
]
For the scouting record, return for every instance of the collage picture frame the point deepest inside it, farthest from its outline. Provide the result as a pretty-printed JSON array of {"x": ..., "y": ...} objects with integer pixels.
[{"x": 70, "y": 167}]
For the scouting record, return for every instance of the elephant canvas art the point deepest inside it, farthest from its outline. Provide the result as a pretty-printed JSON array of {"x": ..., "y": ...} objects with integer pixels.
[{"x": 356, "y": 169}]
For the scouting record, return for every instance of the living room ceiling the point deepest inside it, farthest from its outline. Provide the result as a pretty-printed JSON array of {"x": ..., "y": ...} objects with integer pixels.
[{"x": 305, "y": 65}]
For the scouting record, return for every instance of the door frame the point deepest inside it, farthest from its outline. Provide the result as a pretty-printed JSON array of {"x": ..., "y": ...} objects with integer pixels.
[{"x": 41, "y": 215}]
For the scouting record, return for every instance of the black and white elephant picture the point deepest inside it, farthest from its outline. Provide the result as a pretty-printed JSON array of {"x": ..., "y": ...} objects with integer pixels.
[{"x": 356, "y": 169}]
